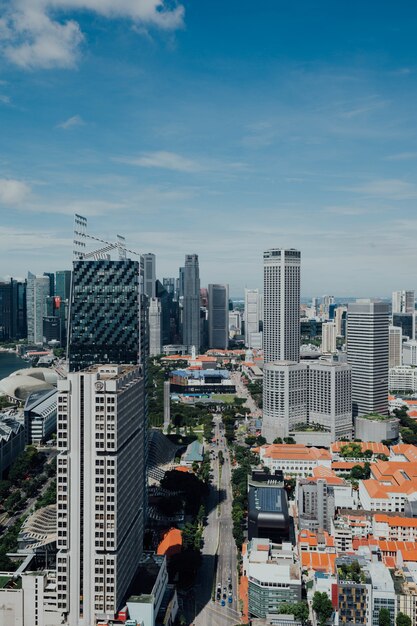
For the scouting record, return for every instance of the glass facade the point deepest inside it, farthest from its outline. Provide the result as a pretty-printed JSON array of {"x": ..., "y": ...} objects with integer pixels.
[{"x": 104, "y": 313}]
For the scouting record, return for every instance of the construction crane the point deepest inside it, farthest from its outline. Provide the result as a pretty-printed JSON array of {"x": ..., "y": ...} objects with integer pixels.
[{"x": 79, "y": 243}]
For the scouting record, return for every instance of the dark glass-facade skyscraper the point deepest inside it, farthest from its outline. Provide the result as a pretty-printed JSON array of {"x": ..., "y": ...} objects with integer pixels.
[
  {"x": 13, "y": 323},
  {"x": 104, "y": 314},
  {"x": 191, "y": 302}
]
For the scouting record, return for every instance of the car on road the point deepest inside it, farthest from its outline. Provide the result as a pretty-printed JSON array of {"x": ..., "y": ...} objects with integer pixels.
[{"x": 223, "y": 603}]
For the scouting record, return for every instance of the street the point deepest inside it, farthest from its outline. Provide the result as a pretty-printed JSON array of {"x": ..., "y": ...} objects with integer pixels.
[
  {"x": 219, "y": 551},
  {"x": 242, "y": 392}
]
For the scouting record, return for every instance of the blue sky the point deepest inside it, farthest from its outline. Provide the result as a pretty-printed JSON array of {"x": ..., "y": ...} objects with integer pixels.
[{"x": 222, "y": 128}]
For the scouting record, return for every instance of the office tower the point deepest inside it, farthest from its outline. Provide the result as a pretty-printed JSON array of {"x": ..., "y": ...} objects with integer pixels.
[
  {"x": 281, "y": 331},
  {"x": 284, "y": 398},
  {"x": 328, "y": 337},
  {"x": 327, "y": 301},
  {"x": 165, "y": 299},
  {"x": 12, "y": 310},
  {"x": 149, "y": 277},
  {"x": 367, "y": 352},
  {"x": 330, "y": 397},
  {"x": 314, "y": 306},
  {"x": 101, "y": 497},
  {"x": 38, "y": 288},
  {"x": 191, "y": 303},
  {"x": 155, "y": 321},
  {"x": 409, "y": 353},
  {"x": 403, "y": 301},
  {"x": 252, "y": 315},
  {"x": 405, "y": 321},
  {"x": 338, "y": 318},
  {"x": 181, "y": 282},
  {"x": 63, "y": 284},
  {"x": 235, "y": 323},
  {"x": 51, "y": 277},
  {"x": 52, "y": 330},
  {"x": 218, "y": 316},
  {"x": 105, "y": 313},
  {"x": 395, "y": 346},
  {"x": 169, "y": 285}
]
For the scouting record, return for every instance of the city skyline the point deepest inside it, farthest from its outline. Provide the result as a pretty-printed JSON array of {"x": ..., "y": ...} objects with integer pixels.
[{"x": 280, "y": 126}]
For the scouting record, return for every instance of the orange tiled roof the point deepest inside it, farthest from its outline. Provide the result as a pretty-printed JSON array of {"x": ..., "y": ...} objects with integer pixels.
[
  {"x": 405, "y": 449},
  {"x": 327, "y": 474},
  {"x": 244, "y": 597},
  {"x": 296, "y": 452},
  {"x": 318, "y": 561},
  {"x": 394, "y": 521},
  {"x": 345, "y": 465},
  {"x": 182, "y": 468},
  {"x": 171, "y": 542},
  {"x": 375, "y": 447}
]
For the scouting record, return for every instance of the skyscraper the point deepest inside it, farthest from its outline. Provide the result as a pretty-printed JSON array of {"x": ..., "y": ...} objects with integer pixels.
[
  {"x": 367, "y": 352},
  {"x": 191, "y": 302},
  {"x": 252, "y": 315},
  {"x": 149, "y": 278},
  {"x": 13, "y": 310},
  {"x": 38, "y": 289},
  {"x": 155, "y": 324},
  {"x": 281, "y": 330},
  {"x": 395, "y": 346},
  {"x": 330, "y": 397},
  {"x": 285, "y": 381},
  {"x": 403, "y": 301},
  {"x": 63, "y": 284},
  {"x": 104, "y": 313},
  {"x": 218, "y": 316},
  {"x": 328, "y": 336},
  {"x": 101, "y": 496}
]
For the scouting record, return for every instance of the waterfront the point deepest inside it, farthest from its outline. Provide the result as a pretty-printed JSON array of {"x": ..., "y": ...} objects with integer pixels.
[{"x": 9, "y": 363}]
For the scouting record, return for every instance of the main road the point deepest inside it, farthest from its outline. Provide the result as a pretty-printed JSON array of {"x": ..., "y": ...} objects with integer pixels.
[{"x": 219, "y": 551}]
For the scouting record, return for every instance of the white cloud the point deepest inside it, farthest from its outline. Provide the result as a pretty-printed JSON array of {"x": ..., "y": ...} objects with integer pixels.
[
  {"x": 31, "y": 35},
  {"x": 4, "y": 99},
  {"x": 13, "y": 192},
  {"x": 164, "y": 160},
  {"x": 402, "y": 156},
  {"x": 391, "y": 188},
  {"x": 75, "y": 120}
]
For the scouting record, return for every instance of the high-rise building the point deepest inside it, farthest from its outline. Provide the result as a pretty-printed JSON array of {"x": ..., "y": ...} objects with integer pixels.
[
  {"x": 105, "y": 313},
  {"x": 51, "y": 277},
  {"x": 281, "y": 329},
  {"x": 149, "y": 276},
  {"x": 285, "y": 401},
  {"x": 403, "y": 301},
  {"x": 63, "y": 284},
  {"x": 328, "y": 337},
  {"x": 155, "y": 323},
  {"x": 191, "y": 302},
  {"x": 409, "y": 353},
  {"x": 13, "y": 310},
  {"x": 218, "y": 316},
  {"x": 367, "y": 352},
  {"x": 169, "y": 285},
  {"x": 338, "y": 319},
  {"x": 101, "y": 495},
  {"x": 395, "y": 346},
  {"x": 38, "y": 289},
  {"x": 327, "y": 301},
  {"x": 252, "y": 315},
  {"x": 405, "y": 321},
  {"x": 330, "y": 397}
]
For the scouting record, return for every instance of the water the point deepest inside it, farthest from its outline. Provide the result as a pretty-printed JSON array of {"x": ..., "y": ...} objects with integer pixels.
[{"x": 9, "y": 363}]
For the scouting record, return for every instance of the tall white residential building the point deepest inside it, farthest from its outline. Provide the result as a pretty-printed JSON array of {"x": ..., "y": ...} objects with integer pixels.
[
  {"x": 281, "y": 330},
  {"x": 330, "y": 397},
  {"x": 328, "y": 337},
  {"x": 284, "y": 398},
  {"x": 36, "y": 293},
  {"x": 403, "y": 378},
  {"x": 101, "y": 497},
  {"x": 235, "y": 323},
  {"x": 218, "y": 316},
  {"x": 155, "y": 319},
  {"x": 403, "y": 301},
  {"x": 410, "y": 353},
  {"x": 327, "y": 301},
  {"x": 367, "y": 353},
  {"x": 395, "y": 346},
  {"x": 338, "y": 317},
  {"x": 252, "y": 315}
]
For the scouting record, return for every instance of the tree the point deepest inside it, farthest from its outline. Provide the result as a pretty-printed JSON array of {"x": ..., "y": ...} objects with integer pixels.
[
  {"x": 322, "y": 606},
  {"x": 403, "y": 620},
  {"x": 384, "y": 618},
  {"x": 277, "y": 440}
]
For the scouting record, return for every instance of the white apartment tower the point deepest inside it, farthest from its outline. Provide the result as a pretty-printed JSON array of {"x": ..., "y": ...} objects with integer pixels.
[
  {"x": 368, "y": 353},
  {"x": 330, "y": 397},
  {"x": 36, "y": 293},
  {"x": 403, "y": 301},
  {"x": 252, "y": 315},
  {"x": 281, "y": 335},
  {"x": 284, "y": 398},
  {"x": 155, "y": 336},
  {"x": 395, "y": 346},
  {"x": 101, "y": 435},
  {"x": 328, "y": 337}
]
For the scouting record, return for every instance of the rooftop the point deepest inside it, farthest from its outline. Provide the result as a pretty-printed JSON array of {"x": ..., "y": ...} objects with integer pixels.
[{"x": 297, "y": 452}]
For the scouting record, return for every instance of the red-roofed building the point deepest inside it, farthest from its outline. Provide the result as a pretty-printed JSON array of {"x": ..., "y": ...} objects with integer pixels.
[
  {"x": 171, "y": 543},
  {"x": 390, "y": 485},
  {"x": 294, "y": 459},
  {"x": 394, "y": 527}
]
